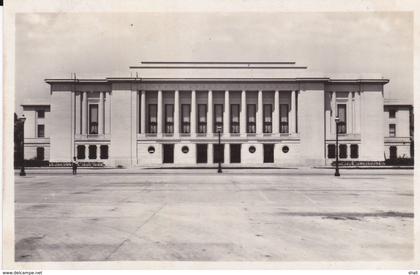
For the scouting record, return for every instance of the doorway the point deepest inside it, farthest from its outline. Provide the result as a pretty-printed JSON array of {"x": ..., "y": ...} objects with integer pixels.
[
  {"x": 393, "y": 152},
  {"x": 201, "y": 153},
  {"x": 168, "y": 153},
  {"x": 268, "y": 153},
  {"x": 235, "y": 153},
  {"x": 218, "y": 153}
]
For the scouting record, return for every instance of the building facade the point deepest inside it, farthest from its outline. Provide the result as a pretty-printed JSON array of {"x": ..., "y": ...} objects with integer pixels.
[{"x": 175, "y": 122}]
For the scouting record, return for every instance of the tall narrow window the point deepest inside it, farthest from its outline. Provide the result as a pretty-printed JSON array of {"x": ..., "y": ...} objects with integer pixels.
[
  {"x": 251, "y": 120},
  {"x": 185, "y": 119},
  {"x": 93, "y": 119},
  {"x": 92, "y": 151},
  {"x": 341, "y": 125},
  {"x": 41, "y": 130},
  {"x": 391, "y": 113},
  {"x": 202, "y": 118},
  {"x": 284, "y": 118},
  {"x": 152, "y": 121},
  {"x": 169, "y": 118},
  {"x": 354, "y": 151},
  {"x": 218, "y": 117},
  {"x": 343, "y": 151},
  {"x": 81, "y": 152},
  {"x": 41, "y": 113},
  {"x": 392, "y": 130},
  {"x": 104, "y": 152},
  {"x": 234, "y": 118},
  {"x": 331, "y": 151},
  {"x": 267, "y": 108}
]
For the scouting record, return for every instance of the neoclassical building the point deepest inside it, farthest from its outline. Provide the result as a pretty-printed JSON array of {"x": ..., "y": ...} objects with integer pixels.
[{"x": 154, "y": 122}]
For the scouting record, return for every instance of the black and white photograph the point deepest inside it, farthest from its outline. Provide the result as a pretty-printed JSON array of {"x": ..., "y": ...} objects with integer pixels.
[{"x": 209, "y": 136}]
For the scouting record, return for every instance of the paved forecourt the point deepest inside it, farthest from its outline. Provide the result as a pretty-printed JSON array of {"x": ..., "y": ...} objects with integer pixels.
[{"x": 199, "y": 215}]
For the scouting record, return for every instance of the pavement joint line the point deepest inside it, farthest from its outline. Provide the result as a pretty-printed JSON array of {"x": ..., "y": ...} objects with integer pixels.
[
  {"x": 134, "y": 233},
  {"x": 116, "y": 249}
]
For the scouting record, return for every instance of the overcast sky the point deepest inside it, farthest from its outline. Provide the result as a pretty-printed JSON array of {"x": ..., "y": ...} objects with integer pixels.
[{"x": 105, "y": 45}]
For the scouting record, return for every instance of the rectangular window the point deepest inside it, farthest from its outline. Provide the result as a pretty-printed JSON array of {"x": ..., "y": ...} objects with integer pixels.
[
  {"x": 169, "y": 118},
  {"x": 152, "y": 121},
  {"x": 343, "y": 151},
  {"x": 251, "y": 118},
  {"x": 218, "y": 117},
  {"x": 342, "y": 120},
  {"x": 391, "y": 113},
  {"x": 354, "y": 151},
  {"x": 234, "y": 118},
  {"x": 40, "y": 153},
  {"x": 331, "y": 151},
  {"x": 284, "y": 118},
  {"x": 392, "y": 130},
  {"x": 41, "y": 130},
  {"x": 93, "y": 119},
  {"x": 185, "y": 118},
  {"x": 41, "y": 113},
  {"x": 202, "y": 118},
  {"x": 267, "y": 119}
]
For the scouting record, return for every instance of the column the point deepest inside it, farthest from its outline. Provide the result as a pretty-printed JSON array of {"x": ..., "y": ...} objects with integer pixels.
[
  {"x": 226, "y": 115},
  {"x": 242, "y": 121},
  {"x": 78, "y": 111},
  {"x": 143, "y": 112},
  {"x": 86, "y": 152},
  {"x": 193, "y": 113},
  {"x": 210, "y": 114},
  {"x": 276, "y": 113},
  {"x": 349, "y": 113},
  {"x": 210, "y": 153},
  {"x": 259, "y": 114},
  {"x": 84, "y": 113},
  {"x": 108, "y": 113},
  {"x": 334, "y": 112},
  {"x": 176, "y": 113},
  {"x": 159, "y": 113},
  {"x": 292, "y": 113},
  {"x": 327, "y": 115},
  {"x": 101, "y": 114},
  {"x": 227, "y": 153},
  {"x": 98, "y": 152},
  {"x": 357, "y": 112}
]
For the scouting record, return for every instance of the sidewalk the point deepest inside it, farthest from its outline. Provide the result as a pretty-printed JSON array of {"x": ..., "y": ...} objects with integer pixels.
[{"x": 213, "y": 170}]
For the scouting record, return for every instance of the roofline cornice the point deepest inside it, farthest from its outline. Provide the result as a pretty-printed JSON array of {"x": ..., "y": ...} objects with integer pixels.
[{"x": 110, "y": 80}]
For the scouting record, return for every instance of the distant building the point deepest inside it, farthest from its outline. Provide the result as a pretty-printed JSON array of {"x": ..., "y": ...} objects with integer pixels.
[
  {"x": 37, "y": 135},
  {"x": 153, "y": 122},
  {"x": 398, "y": 134}
]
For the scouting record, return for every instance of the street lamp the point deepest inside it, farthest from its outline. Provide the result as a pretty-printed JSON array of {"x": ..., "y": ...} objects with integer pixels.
[
  {"x": 219, "y": 166},
  {"x": 22, "y": 166},
  {"x": 337, "y": 173}
]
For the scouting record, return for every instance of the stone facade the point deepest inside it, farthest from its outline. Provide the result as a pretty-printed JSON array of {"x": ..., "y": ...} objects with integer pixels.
[{"x": 264, "y": 122}]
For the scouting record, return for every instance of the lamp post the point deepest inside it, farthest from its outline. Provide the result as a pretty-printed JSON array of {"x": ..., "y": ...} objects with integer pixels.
[
  {"x": 337, "y": 172},
  {"x": 22, "y": 166},
  {"x": 219, "y": 166}
]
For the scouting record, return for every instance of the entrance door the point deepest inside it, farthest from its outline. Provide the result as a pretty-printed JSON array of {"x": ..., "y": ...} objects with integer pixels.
[
  {"x": 168, "y": 153},
  {"x": 235, "y": 153},
  {"x": 268, "y": 153},
  {"x": 393, "y": 152},
  {"x": 201, "y": 153},
  {"x": 218, "y": 153}
]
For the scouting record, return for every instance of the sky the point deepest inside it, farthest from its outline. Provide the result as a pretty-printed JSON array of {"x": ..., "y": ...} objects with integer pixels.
[{"x": 54, "y": 45}]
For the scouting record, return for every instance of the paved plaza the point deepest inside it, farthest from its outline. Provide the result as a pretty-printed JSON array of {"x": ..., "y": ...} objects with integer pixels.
[{"x": 199, "y": 215}]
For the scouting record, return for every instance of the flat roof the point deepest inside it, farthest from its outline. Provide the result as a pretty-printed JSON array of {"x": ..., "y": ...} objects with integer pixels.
[{"x": 151, "y": 79}]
